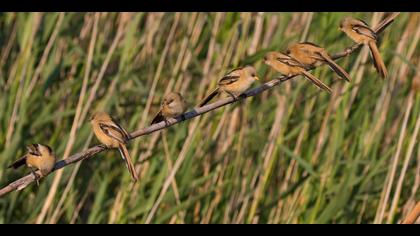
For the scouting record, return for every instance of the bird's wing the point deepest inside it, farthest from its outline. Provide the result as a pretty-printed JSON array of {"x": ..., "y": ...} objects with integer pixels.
[
  {"x": 311, "y": 44},
  {"x": 231, "y": 77},
  {"x": 123, "y": 131},
  {"x": 228, "y": 79},
  {"x": 114, "y": 130},
  {"x": 290, "y": 61},
  {"x": 363, "y": 28}
]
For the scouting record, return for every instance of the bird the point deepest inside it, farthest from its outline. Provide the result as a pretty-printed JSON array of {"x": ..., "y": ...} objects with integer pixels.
[
  {"x": 112, "y": 135},
  {"x": 39, "y": 157},
  {"x": 234, "y": 83},
  {"x": 289, "y": 66},
  {"x": 173, "y": 105},
  {"x": 313, "y": 55},
  {"x": 360, "y": 32}
]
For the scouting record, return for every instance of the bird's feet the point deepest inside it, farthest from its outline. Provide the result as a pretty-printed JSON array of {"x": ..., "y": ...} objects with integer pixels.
[
  {"x": 233, "y": 95},
  {"x": 37, "y": 177}
]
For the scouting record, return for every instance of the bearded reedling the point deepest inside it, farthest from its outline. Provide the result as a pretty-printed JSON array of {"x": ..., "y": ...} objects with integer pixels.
[
  {"x": 173, "y": 105},
  {"x": 289, "y": 66},
  {"x": 360, "y": 32},
  {"x": 313, "y": 55},
  {"x": 112, "y": 135},
  {"x": 39, "y": 157},
  {"x": 233, "y": 83}
]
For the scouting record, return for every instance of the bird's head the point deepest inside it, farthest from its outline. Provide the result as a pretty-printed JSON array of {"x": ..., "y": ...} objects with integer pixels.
[
  {"x": 251, "y": 71},
  {"x": 99, "y": 116}
]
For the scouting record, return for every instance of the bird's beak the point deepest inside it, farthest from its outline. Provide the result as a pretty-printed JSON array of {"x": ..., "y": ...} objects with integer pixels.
[{"x": 256, "y": 78}]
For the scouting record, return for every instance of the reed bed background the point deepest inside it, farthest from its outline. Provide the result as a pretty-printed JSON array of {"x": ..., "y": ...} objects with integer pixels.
[{"x": 291, "y": 155}]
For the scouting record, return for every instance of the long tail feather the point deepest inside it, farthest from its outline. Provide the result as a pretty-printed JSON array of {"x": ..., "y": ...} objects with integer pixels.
[
  {"x": 316, "y": 81},
  {"x": 20, "y": 162},
  {"x": 209, "y": 97},
  {"x": 126, "y": 156},
  {"x": 377, "y": 60},
  {"x": 337, "y": 69}
]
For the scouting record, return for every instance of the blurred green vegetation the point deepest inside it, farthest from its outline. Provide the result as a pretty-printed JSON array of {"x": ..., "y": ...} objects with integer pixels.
[{"x": 291, "y": 155}]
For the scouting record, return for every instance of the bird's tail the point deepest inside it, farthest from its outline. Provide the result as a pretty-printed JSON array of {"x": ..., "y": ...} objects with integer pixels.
[
  {"x": 158, "y": 118},
  {"x": 20, "y": 162},
  {"x": 126, "y": 156},
  {"x": 316, "y": 81},
  {"x": 334, "y": 66},
  {"x": 377, "y": 59},
  {"x": 209, "y": 97}
]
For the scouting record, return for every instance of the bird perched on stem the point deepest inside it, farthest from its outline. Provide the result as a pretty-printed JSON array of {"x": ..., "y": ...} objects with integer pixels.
[
  {"x": 313, "y": 55},
  {"x": 39, "y": 157},
  {"x": 233, "y": 83},
  {"x": 289, "y": 66},
  {"x": 360, "y": 32},
  {"x": 112, "y": 135},
  {"x": 173, "y": 105}
]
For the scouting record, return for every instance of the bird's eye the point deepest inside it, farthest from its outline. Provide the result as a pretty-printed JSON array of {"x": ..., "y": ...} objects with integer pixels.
[
  {"x": 265, "y": 58},
  {"x": 288, "y": 51}
]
